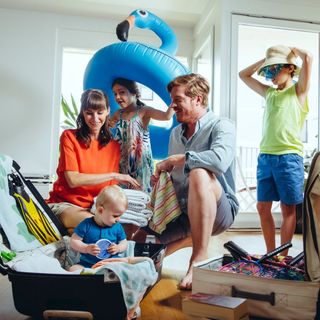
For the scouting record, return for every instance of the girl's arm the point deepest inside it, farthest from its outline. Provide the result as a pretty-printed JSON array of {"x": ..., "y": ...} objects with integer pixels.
[
  {"x": 114, "y": 119},
  {"x": 246, "y": 75},
  {"x": 303, "y": 83},
  {"x": 77, "y": 179},
  {"x": 152, "y": 113}
]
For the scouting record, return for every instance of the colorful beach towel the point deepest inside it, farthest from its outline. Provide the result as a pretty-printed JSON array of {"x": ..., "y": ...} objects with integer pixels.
[{"x": 164, "y": 203}]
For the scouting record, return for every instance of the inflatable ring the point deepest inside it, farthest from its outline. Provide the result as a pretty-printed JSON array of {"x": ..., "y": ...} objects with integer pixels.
[{"x": 152, "y": 67}]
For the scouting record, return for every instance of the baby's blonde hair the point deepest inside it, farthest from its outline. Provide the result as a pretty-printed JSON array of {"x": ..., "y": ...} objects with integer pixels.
[{"x": 112, "y": 194}]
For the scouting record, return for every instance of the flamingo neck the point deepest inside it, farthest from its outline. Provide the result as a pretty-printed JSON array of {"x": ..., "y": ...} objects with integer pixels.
[{"x": 167, "y": 36}]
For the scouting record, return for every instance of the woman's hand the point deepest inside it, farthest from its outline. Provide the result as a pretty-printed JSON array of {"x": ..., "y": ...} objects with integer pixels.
[{"x": 126, "y": 179}]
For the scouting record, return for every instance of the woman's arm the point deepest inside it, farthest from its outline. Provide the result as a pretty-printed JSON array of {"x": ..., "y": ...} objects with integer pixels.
[
  {"x": 246, "y": 75},
  {"x": 76, "y": 179},
  {"x": 303, "y": 83}
]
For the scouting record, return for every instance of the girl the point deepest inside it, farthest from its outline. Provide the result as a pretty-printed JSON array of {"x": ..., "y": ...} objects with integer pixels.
[{"x": 132, "y": 120}]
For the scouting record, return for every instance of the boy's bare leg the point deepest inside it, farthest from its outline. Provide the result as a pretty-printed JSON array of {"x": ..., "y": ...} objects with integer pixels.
[{"x": 267, "y": 224}]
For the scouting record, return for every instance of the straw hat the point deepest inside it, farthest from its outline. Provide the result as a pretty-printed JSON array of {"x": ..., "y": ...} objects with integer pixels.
[{"x": 279, "y": 55}]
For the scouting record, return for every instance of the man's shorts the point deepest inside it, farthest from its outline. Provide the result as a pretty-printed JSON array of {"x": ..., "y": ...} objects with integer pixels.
[
  {"x": 59, "y": 207},
  {"x": 280, "y": 178},
  {"x": 180, "y": 228}
]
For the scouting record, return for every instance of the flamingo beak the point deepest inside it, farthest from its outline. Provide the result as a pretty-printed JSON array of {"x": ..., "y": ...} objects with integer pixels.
[{"x": 124, "y": 27}]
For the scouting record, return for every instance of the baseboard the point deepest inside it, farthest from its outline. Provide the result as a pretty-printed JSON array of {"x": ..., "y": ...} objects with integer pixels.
[{"x": 251, "y": 220}]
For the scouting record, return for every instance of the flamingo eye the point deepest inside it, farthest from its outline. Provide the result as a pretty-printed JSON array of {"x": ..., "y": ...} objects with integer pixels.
[{"x": 142, "y": 13}]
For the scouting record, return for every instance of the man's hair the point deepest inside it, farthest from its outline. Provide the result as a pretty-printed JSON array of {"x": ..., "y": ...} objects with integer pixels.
[
  {"x": 96, "y": 100},
  {"x": 195, "y": 85},
  {"x": 112, "y": 194}
]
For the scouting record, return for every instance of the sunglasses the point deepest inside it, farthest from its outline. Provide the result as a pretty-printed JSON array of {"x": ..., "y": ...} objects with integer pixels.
[{"x": 270, "y": 72}]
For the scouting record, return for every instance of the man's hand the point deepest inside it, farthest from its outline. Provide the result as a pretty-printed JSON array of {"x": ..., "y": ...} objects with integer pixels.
[{"x": 167, "y": 165}]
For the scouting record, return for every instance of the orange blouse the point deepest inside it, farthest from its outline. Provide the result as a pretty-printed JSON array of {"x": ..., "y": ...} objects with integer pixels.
[{"x": 74, "y": 156}]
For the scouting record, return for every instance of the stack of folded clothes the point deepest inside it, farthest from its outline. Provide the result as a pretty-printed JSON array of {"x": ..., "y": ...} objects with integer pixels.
[{"x": 138, "y": 212}]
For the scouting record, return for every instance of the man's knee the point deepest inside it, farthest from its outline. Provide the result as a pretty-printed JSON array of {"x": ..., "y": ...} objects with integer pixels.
[
  {"x": 202, "y": 180},
  {"x": 200, "y": 175}
]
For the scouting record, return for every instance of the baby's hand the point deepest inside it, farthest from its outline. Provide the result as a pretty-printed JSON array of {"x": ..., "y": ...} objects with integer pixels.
[
  {"x": 114, "y": 249},
  {"x": 92, "y": 249}
]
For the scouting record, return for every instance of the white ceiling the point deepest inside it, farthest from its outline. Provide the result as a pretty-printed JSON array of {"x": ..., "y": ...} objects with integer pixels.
[{"x": 184, "y": 13}]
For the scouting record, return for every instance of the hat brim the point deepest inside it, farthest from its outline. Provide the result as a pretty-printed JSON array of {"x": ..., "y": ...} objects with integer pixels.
[{"x": 277, "y": 60}]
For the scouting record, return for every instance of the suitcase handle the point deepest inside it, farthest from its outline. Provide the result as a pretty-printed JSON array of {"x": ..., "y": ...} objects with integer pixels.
[
  {"x": 48, "y": 314},
  {"x": 254, "y": 296}
]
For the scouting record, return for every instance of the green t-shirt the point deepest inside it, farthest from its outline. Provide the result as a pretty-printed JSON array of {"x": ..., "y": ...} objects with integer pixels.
[{"x": 283, "y": 120}]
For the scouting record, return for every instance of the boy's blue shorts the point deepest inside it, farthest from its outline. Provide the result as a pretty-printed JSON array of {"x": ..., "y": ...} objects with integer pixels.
[{"x": 280, "y": 177}]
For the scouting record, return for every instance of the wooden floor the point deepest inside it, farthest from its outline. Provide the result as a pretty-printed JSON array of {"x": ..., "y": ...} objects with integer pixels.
[{"x": 164, "y": 301}]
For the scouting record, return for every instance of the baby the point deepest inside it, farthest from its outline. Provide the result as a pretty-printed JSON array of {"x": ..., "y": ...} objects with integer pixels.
[{"x": 110, "y": 205}]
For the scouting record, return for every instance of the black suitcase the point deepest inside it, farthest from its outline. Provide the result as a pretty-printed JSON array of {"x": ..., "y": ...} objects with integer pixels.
[{"x": 36, "y": 293}]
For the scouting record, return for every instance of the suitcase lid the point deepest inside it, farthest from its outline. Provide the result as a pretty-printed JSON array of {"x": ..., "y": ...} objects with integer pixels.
[
  {"x": 22, "y": 217},
  {"x": 311, "y": 220}
]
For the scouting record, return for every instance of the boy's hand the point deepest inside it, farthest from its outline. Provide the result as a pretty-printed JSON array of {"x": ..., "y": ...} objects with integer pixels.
[{"x": 92, "y": 249}]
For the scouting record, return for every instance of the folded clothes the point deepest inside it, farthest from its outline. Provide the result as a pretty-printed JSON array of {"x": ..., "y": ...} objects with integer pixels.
[
  {"x": 137, "y": 195},
  {"x": 129, "y": 221},
  {"x": 136, "y": 205}
]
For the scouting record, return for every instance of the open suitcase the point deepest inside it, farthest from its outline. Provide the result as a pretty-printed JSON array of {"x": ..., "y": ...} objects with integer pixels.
[
  {"x": 98, "y": 295},
  {"x": 275, "y": 298}
]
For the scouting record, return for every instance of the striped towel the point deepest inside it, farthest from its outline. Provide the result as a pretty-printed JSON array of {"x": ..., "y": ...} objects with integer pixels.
[{"x": 164, "y": 203}]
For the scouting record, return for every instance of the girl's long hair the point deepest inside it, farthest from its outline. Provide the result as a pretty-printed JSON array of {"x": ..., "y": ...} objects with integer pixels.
[
  {"x": 132, "y": 87},
  {"x": 96, "y": 100}
]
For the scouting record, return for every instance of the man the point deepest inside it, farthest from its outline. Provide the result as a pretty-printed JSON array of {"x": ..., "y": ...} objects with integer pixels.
[{"x": 202, "y": 151}]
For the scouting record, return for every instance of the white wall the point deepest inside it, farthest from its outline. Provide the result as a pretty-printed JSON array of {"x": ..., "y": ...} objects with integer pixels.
[{"x": 30, "y": 75}]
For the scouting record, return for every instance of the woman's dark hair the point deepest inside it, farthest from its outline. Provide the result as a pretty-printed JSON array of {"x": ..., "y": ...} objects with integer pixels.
[
  {"x": 132, "y": 87},
  {"x": 96, "y": 100}
]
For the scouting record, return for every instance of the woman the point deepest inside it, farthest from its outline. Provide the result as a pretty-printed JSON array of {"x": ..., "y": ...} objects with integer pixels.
[{"x": 89, "y": 161}]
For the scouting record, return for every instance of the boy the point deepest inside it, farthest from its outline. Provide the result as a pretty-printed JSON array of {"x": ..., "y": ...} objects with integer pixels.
[
  {"x": 280, "y": 173},
  {"x": 110, "y": 205}
]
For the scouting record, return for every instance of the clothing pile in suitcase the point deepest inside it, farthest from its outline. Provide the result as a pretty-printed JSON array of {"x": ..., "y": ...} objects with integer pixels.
[
  {"x": 35, "y": 254},
  {"x": 287, "y": 290}
]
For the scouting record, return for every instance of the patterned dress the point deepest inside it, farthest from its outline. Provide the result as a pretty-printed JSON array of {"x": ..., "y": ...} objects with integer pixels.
[{"x": 136, "y": 156}]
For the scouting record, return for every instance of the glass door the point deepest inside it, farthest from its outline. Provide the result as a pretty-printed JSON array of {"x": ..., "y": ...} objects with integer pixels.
[{"x": 250, "y": 40}]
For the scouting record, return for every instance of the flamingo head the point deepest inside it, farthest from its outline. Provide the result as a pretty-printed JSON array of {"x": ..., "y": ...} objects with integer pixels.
[{"x": 138, "y": 18}]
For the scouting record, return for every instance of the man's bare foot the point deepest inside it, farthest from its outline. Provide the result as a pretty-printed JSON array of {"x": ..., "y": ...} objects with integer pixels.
[{"x": 186, "y": 282}]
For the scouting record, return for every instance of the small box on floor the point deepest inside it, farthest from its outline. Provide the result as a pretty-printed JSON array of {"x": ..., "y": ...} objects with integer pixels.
[{"x": 218, "y": 307}]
